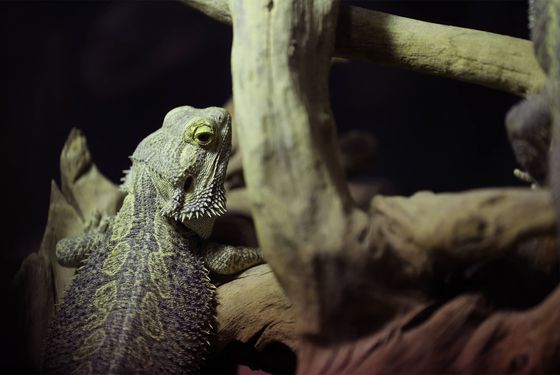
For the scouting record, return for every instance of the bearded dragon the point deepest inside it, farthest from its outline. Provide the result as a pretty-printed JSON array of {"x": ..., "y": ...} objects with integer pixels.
[{"x": 142, "y": 300}]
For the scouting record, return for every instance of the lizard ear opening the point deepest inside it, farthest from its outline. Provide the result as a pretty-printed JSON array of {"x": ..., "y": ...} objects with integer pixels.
[{"x": 187, "y": 185}]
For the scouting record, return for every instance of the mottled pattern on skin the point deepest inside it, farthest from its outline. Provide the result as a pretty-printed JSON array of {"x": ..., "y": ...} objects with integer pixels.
[
  {"x": 121, "y": 231},
  {"x": 159, "y": 274},
  {"x": 142, "y": 302},
  {"x": 116, "y": 258}
]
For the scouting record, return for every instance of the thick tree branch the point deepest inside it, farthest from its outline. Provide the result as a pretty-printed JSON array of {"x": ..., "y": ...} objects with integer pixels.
[
  {"x": 496, "y": 61},
  {"x": 430, "y": 233},
  {"x": 299, "y": 197},
  {"x": 254, "y": 306}
]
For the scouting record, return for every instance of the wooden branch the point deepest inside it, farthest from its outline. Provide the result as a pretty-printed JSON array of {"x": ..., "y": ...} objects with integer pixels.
[
  {"x": 450, "y": 230},
  {"x": 253, "y": 306},
  {"x": 299, "y": 197},
  {"x": 496, "y": 61},
  {"x": 428, "y": 233}
]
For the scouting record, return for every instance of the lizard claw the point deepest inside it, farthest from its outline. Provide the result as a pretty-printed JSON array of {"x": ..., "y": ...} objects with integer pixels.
[
  {"x": 97, "y": 222},
  {"x": 525, "y": 177}
]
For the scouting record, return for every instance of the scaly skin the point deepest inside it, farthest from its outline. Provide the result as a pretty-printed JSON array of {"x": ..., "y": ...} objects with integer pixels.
[
  {"x": 545, "y": 33},
  {"x": 534, "y": 124},
  {"x": 143, "y": 301},
  {"x": 529, "y": 123}
]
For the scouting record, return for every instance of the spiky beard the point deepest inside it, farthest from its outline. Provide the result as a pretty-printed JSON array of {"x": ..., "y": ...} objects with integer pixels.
[
  {"x": 210, "y": 202},
  {"x": 199, "y": 212}
]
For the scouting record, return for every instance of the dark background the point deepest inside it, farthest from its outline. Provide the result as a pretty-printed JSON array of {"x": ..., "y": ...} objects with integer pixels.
[{"x": 115, "y": 68}]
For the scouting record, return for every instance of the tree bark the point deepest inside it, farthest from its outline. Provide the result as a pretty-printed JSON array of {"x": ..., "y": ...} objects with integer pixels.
[{"x": 303, "y": 211}]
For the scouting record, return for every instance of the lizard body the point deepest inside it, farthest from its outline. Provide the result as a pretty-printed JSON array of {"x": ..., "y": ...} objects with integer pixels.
[
  {"x": 143, "y": 300},
  {"x": 534, "y": 124}
]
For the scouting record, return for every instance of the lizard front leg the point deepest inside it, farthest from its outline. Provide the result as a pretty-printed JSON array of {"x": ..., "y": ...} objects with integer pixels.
[
  {"x": 227, "y": 259},
  {"x": 529, "y": 129},
  {"x": 71, "y": 252}
]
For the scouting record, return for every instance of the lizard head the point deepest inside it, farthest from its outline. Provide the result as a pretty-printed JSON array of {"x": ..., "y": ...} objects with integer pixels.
[{"x": 186, "y": 160}]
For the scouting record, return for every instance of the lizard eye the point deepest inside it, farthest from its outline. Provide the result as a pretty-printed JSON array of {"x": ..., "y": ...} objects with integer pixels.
[{"x": 202, "y": 133}]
